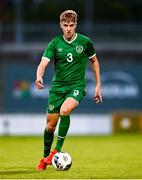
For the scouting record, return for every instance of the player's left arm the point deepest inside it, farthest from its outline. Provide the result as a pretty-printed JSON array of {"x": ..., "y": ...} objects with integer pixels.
[{"x": 96, "y": 70}]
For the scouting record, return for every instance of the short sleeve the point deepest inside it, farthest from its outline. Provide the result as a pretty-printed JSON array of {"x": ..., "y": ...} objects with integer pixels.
[
  {"x": 49, "y": 51},
  {"x": 90, "y": 49}
]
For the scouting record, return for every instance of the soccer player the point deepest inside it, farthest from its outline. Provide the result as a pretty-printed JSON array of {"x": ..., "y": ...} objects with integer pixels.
[{"x": 70, "y": 52}]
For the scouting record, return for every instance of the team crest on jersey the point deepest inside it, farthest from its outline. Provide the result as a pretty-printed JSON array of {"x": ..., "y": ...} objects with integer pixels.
[
  {"x": 79, "y": 49},
  {"x": 51, "y": 107}
]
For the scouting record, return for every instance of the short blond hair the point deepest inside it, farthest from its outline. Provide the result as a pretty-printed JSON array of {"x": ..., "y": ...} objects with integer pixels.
[{"x": 68, "y": 15}]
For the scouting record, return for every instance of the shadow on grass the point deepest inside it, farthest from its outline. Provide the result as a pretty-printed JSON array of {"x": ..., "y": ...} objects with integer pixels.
[{"x": 16, "y": 171}]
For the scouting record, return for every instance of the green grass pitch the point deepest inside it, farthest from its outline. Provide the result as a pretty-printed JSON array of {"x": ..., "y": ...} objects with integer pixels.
[{"x": 94, "y": 157}]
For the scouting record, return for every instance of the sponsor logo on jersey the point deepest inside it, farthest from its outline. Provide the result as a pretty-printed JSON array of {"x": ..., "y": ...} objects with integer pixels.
[
  {"x": 50, "y": 107},
  {"x": 79, "y": 49},
  {"x": 59, "y": 49},
  {"x": 75, "y": 93}
]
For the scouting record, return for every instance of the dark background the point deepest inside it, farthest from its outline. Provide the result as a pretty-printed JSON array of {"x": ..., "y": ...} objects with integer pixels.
[{"x": 26, "y": 27}]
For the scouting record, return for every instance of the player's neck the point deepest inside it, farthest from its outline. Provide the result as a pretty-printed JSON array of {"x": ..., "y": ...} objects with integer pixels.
[{"x": 70, "y": 39}]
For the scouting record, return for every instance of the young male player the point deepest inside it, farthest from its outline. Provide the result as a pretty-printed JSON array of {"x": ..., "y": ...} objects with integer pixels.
[{"x": 70, "y": 52}]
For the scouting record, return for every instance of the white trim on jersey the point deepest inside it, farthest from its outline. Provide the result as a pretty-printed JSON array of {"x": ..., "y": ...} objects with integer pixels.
[
  {"x": 45, "y": 58},
  {"x": 71, "y": 40},
  {"x": 92, "y": 56}
]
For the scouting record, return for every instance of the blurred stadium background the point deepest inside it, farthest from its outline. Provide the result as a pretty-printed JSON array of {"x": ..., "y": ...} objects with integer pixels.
[{"x": 26, "y": 27}]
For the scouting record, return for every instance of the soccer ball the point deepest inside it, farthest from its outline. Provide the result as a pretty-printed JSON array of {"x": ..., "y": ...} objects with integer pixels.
[{"x": 62, "y": 161}]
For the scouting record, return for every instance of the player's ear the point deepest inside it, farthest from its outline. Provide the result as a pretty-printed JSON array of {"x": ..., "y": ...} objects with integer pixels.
[{"x": 60, "y": 25}]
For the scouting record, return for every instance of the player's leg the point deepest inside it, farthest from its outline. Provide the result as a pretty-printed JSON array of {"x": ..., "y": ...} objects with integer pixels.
[
  {"x": 55, "y": 101},
  {"x": 67, "y": 107},
  {"x": 51, "y": 122}
]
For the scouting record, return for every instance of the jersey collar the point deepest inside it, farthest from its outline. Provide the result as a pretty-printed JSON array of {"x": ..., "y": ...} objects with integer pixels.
[{"x": 71, "y": 40}]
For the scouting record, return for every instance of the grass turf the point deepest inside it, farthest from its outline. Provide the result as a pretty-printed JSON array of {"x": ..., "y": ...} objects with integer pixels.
[{"x": 94, "y": 157}]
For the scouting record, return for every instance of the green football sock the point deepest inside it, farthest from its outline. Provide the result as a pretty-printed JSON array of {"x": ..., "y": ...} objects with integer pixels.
[
  {"x": 48, "y": 139},
  {"x": 62, "y": 131}
]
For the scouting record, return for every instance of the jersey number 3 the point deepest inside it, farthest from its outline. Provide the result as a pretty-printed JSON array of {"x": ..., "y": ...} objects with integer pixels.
[{"x": 69, "y": 57}]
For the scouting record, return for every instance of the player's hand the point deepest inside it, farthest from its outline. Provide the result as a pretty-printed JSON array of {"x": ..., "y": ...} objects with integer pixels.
[
  {"x": 97, "y": 97},
  {"x": 39, "y": 83}
]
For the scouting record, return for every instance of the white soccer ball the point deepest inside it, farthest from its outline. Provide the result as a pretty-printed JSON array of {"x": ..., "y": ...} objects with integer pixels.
[{"x": 62, "y": 161}]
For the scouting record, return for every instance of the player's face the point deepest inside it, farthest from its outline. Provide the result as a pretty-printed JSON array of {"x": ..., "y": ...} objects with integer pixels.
[{"x": 68, "y": 29}]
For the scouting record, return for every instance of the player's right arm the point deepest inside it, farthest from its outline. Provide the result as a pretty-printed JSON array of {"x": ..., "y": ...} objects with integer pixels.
[
  {"x": 47, "y": 56},
  {"x": 40, "y": 72}
]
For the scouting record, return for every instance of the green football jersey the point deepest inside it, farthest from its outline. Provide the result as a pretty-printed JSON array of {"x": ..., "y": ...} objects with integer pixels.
[{"x": 70, "y": 59}]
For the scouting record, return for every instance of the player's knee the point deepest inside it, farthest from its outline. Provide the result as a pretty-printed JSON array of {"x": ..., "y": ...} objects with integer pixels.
[
  {"x": 50, "y": 127},
  {"x": 64, "y": 111}
]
